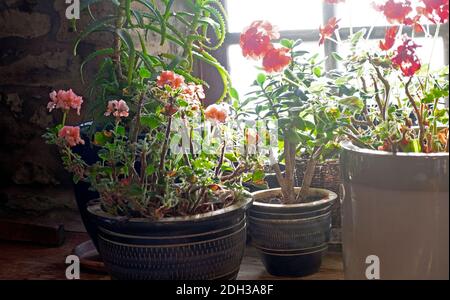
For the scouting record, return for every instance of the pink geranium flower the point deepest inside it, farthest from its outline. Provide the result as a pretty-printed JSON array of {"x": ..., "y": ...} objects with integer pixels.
[
  {"x": 217, "y": 113},
  {"x": 65, "y": 100},
  {"x": 118, "y": 108},
  {"x": 71, "y": 135},
  {"x": 171, "y": 79}
]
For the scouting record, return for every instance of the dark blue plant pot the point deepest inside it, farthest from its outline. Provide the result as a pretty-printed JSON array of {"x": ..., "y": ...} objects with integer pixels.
[
  {"x": 291, "y": 239},
  {"x": 83, "y": 194},
  {"x": 202, "y": 247}
]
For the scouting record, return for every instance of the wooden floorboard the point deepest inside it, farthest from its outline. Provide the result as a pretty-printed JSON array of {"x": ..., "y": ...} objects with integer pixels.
[{"x": 27, "y": 261}]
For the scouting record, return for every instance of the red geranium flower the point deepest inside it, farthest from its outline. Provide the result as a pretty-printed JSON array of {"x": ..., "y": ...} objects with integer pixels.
[
  {"x": 276, "y": 60},
  {"x": 414, "y": 22},
  {"x": 255, "y": 41},
  {"x": 406, "y": 59},
  {"x": 436, "y": 10},
  {"x": 328, "y": 30},
  {"x": 389, "y": 39},
  {"x": 395, "y": 10}
]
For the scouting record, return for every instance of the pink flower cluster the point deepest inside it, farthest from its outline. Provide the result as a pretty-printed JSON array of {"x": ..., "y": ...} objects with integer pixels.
[
  {"x": 217, "y": 113},
  {"x": 71, "y": 135},
  {"x": 65, "y": 100},
  {"x": 192, "y": 93},
  {"x": 117, "y": 108}
]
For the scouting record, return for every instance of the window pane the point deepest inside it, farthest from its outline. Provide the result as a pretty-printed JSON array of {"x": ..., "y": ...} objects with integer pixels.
[
  {"x": 359, "y": 13},
  {"x": 286, "y": 14},
  {"x": 427, "y": 54},
  {"x": 244, "y": 71}
]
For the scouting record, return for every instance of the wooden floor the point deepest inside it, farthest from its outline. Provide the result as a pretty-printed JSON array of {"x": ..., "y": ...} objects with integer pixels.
[{"x": 26, "y": 261}]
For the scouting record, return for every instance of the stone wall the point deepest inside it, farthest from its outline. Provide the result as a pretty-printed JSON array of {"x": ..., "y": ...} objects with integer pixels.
[
  {"x": 36, "y": 42},
  {"x": 36, "y": 57}
]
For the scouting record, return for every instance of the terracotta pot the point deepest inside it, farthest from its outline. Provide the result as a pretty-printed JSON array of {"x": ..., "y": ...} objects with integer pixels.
[
  {"x": 395, "y": 207},
  {"x": 291, "y": 238},
  {"x": 201, "y": 247}
]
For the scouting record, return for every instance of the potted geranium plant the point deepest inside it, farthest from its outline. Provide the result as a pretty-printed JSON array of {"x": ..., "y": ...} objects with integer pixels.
[
  {"x": 290, "y": 225},
  {"x": 171, "y": 205},
  {"x": 180, "y": 35},
  {"x": 168, "y": 172},
  {"x": 395, "y": 162}
]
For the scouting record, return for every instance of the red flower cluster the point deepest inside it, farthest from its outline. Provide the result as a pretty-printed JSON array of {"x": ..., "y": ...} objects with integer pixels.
[
  {"x": 396, "y": 10},
  {"x": 436, "y": 10},
  {"x": 406, "y": 59},
  {"x": 328, "y": 30},
  {"x": 389, "y": 39},
  {"x": 276, "y": 60},
  {"x": 256, "y": 43}
]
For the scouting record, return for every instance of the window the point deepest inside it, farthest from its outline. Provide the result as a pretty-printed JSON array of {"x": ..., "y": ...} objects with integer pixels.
[{"x": 301, "y": 19}]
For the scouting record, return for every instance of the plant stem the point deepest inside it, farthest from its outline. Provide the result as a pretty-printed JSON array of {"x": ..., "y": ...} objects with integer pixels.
[
  {"x": 222, "y": 154},
  {"x": 289, "y": 153},
  {"x": 418, "y": 115},
  {"x": 63, "y": 123},
  {"x": 165, "y": 146}
]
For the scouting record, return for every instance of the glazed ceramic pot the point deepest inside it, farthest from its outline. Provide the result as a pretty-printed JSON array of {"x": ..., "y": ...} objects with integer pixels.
[
  {"x": 291, "y": 239},
  {"x": 395, "y": 207},
  {"x": 202, "y": 247}
]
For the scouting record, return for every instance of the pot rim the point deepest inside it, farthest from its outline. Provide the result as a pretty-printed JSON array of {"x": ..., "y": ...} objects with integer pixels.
[
  {"x": 349, "y": 146},
  {"x": 330, "y": 197},
  {"x": 95, "y": 209}
]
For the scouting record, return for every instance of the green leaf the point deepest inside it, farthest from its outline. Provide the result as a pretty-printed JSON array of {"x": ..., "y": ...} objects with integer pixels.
[
  {"x": 317, "y": 71},
  {"x": 293, "y": 137},
  {"x": 120, "y": 131},
  {"x": 287, "y": 43},
  {"x": 98, "y": 25},
  {"x": 258, "y": 175},
  {"x": 107, "y": 51},
  {"x": 231, "y": 157},
  {"x": 150, "y": 121},
  {"x": 150, "y": 170},
  {"x": 354, "y": 104},
  {"x": 100, "y": 139},
  {"x": 357, "y": 36},
  {"x": 234, "y": 94},
  {"x": 128, "y": 40},
  {"x": 182, "y": 103},
  {"x": 144, "y": 73},
  {"x": 336, "y": 56},
  {"x": 261, "y": 78}
]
